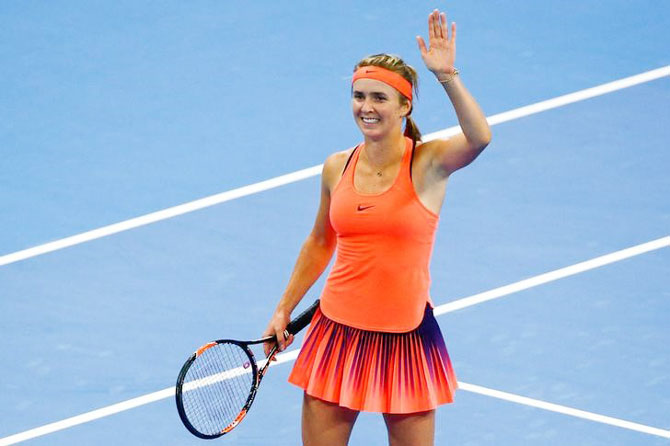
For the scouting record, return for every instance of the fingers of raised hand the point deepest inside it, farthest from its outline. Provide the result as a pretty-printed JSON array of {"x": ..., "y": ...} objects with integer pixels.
[
  {"x": 441, "y": 24},
  {"x": 438, "y": 27},
  {"x": 431, "y": 26},
  {"x": 435, "y": 27},
  {"x": 422, "y": 45}
]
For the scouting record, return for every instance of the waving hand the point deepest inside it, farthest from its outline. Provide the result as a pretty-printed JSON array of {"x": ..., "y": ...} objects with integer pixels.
[{"x": 440, "y": 55}]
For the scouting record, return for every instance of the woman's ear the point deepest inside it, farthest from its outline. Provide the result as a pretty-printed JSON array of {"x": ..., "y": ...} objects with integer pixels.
[{"x": 408, "y": 106}]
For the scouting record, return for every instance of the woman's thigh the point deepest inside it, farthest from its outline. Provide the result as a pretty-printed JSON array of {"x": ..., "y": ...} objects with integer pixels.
[
  {"x": 412, "y": 429},
  {"x": 325, "y": 423}
]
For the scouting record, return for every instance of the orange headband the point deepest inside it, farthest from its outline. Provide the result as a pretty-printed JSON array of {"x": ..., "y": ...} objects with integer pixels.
[{"x": 387, "y": 76}]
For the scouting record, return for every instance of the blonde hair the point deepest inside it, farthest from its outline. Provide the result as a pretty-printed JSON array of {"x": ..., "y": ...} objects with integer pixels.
[{"x": 397, "y": 65}]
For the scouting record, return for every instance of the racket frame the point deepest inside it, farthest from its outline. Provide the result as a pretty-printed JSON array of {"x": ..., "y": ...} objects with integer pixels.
[
  {"x": 293, "y": 327},
  {"x": 252, "y": 391}
]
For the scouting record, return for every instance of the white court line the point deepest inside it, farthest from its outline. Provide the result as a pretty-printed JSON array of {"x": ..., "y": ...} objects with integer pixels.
[
  {"x": 495, "y": 293},
  {"x": 160, "y": 215},
  {"x": 564, "y": 410},
  {"x": 568, "y": 98},
  {"x": 315, "y": 170},
  {"x": 442, "y": 309},
  {"x": 88, "y": 416}
]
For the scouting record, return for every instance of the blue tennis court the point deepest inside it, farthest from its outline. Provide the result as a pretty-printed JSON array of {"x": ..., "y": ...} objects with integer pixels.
[{"x": 160, "y": 171}]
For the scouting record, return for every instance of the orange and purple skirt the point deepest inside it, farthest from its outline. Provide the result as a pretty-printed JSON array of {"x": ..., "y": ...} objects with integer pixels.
[{"x": 376, "y": 371}]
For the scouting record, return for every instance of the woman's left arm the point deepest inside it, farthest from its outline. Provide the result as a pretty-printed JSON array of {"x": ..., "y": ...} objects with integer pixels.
[{"x": 459, "y": 150}]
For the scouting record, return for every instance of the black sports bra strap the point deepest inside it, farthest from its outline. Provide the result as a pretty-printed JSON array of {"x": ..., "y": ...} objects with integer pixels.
[
  {"x": 411, "y": 160},
  {"x": 348, "y": 160}
]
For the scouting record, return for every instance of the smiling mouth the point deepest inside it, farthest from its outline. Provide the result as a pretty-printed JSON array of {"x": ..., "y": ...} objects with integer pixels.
[{"x": 370, "y": 120}]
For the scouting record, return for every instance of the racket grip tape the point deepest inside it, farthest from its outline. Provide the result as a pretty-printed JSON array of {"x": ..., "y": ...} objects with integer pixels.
[{"x": 303, "y": 320}]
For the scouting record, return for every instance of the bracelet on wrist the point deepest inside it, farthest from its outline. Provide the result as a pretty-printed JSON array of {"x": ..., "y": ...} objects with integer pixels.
[{"x": 449, "y": 77}]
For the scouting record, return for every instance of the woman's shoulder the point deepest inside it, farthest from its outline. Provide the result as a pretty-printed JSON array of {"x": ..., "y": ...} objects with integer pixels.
[
  {"x": 333, "y": 167},
  {"x": 335, "y": 162}
]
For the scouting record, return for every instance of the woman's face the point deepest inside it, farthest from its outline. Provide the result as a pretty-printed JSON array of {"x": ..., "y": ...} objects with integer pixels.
[{"x": 377, "y": 108}]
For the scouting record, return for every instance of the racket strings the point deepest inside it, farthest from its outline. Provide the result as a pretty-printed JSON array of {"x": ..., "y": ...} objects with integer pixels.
[{"x": 216, "y": 387}]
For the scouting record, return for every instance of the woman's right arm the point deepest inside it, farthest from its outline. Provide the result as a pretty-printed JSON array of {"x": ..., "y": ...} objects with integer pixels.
[{"x": 315, "y": 254}]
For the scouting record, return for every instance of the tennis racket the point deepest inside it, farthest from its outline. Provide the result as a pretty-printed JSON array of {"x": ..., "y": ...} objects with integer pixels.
[{"x": 218, "y": 382}]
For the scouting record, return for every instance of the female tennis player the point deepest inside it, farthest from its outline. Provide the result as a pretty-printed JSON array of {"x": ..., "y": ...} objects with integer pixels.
[{"x": 374, "y": 344}]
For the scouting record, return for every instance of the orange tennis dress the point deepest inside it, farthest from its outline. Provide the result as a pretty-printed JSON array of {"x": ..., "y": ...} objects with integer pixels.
[{"x": 374, "y": 344}]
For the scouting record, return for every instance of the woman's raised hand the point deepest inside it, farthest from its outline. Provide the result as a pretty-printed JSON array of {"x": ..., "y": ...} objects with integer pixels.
[{"x": 440, "y": 55}]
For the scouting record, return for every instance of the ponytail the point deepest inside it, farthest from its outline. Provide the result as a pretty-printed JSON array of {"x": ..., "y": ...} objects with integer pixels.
[{"x": 411, "y": 129}]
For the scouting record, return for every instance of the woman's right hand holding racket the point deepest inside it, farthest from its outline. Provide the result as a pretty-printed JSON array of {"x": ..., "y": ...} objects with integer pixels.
[{"x": 277, "y": 328}]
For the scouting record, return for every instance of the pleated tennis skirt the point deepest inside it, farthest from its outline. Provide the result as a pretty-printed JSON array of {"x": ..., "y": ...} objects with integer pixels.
[{"x": 375, "y": 371}]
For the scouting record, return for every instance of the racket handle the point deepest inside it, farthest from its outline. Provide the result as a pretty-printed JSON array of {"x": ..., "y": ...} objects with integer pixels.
[{"x": 303, "y": 320}]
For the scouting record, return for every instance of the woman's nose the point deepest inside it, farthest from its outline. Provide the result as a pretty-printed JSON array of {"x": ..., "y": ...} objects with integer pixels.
[{"x": 367, "y": 106}]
